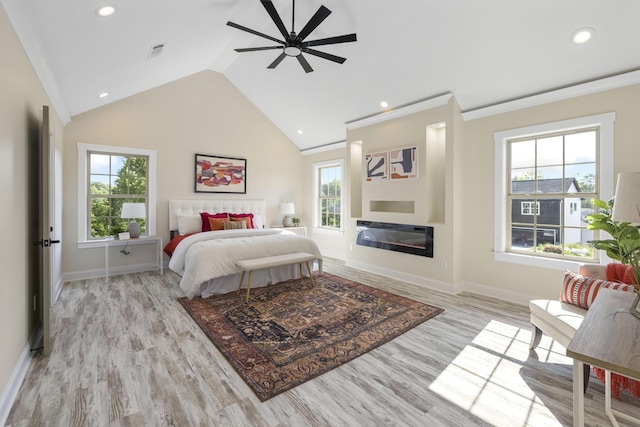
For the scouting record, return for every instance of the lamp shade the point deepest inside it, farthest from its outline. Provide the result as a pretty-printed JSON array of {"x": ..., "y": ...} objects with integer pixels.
[
  {"x": 626, "y": 207},
  {"x": 133, "y": 210},
  {"x": 287, "y": 208}
]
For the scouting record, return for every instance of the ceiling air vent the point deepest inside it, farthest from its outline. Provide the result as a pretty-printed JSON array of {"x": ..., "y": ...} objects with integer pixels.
[{"x": 156, "y": 50}]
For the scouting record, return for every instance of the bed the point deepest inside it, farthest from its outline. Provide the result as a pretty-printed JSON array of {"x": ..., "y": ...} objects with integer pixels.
[{"x": 206, "y": 259}]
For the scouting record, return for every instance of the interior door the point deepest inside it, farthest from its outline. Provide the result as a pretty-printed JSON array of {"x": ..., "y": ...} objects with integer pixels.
[{"x": 46, "y": 213}]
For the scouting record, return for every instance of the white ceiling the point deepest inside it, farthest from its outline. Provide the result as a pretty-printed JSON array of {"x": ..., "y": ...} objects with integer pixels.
[{"x": 484, "y": 52}]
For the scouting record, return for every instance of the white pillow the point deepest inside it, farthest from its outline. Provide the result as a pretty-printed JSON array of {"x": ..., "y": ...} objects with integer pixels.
[
  {"x": 189, "y": 224},
  {"x": 257, "y": 221}
]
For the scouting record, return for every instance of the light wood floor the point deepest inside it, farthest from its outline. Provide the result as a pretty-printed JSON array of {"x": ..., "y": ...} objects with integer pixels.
[{"x": 126, "y": 354}]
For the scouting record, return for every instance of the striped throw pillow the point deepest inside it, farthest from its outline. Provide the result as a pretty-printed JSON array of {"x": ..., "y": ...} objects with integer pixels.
[{"x": 582, "y": 290}]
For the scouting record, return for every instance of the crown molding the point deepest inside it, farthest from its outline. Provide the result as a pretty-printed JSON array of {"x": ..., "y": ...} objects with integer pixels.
[
  {"x": 415, "y": 107},
  {"x": 323, "y": 148},
  {"x": 587, "y": 88},
  {"x": 20, "y": 17}
]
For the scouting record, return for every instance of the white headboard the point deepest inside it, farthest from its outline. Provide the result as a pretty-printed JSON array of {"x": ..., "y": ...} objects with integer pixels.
[{"x": 193, "y": 207}]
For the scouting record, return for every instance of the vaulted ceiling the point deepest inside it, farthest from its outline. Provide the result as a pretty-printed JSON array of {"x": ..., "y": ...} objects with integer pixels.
[{"x": 484, "y": 52}]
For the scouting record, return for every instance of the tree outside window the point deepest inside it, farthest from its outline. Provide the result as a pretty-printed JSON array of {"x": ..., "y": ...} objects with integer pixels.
[
  {"x": 115, "y": 179},
  {"x": 330, "y": 196}
]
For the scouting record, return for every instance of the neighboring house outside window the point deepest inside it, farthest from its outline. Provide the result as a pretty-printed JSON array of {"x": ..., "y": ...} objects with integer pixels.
[
  {"x": 547, "y": 177},
  {"x": 328, "y": 181},
  {"x": 108, "y": 177},
  {"x": 527, "y": 208}
]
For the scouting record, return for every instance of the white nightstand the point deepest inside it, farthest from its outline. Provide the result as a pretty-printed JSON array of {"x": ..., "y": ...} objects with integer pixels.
[
  {"x": 143, "y": 240},
  {"x": 302, "y": 231}
]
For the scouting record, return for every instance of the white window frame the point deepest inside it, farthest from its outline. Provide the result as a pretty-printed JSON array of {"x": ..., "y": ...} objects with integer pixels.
[
  {"x": 605, "y": 179},
  {"x": 83, "y": 181},
  {"x": 316, "y": 196},
  {"x": 529, "y": 208}
]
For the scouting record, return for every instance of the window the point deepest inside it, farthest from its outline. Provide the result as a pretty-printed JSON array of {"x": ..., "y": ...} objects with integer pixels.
[
  {"x": 108, "y": 177},
  {"x": 545, "y": 186},
  {"x": 328, "y": 188},
  {"x": 526, "y": 208}
]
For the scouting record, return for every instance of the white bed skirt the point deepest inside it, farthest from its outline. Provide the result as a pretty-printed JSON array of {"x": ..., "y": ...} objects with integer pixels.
[{"x": 260, "y": 278}]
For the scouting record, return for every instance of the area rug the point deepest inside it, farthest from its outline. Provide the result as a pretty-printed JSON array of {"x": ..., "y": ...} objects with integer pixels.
[{"x": 291, "y": 332}]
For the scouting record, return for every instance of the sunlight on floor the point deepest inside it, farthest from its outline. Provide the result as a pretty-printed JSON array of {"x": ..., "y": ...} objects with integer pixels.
[{"x": 485, "y": 377}]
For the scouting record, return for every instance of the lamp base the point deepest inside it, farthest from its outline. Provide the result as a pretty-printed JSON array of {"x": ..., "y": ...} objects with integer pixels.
[
  {"x": 287, "y": 221},
  {"x": 134, "y": 229}
]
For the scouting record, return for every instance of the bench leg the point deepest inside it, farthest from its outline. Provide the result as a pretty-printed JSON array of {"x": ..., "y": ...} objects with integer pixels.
[
  {"x": 240, "y": 285},
  {"x": 249, "y": 285},
  {"x": 536, "y": 336},
  {"x": 310, "y": 274}
]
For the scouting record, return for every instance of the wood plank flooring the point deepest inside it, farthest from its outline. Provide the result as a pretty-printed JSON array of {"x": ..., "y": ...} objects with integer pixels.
[{"x": 125, "y": 353}]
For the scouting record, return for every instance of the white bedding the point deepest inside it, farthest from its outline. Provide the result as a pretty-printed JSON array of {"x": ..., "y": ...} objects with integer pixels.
[{"x": 203, "y": 257}]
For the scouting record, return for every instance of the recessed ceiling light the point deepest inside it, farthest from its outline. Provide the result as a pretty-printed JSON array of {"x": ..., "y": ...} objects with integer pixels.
[
  {"x": 299, "y": 131},
  {"x": 582, "y": 35},
  {"x": 106, "y": 10},
  {"x": 384, "y": 104},
  {"x": 103, "y": 95}
]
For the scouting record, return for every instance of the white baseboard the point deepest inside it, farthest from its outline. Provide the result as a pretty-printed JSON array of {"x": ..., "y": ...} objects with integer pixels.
[
  {"x": 497, "y": 293},
  {"x": 19, "y": 372},
  {"x": 92, "y": 274},
  {"x": 456, "y": 288},
  {"x": 335, "y": 255},
  {"x": 406, "y": 277}
]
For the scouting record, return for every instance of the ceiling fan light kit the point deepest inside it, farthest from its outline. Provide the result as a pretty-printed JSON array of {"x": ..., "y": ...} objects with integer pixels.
[{"x": 294, "y": 45}]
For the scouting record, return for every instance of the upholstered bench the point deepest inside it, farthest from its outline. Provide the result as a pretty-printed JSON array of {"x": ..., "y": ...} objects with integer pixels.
[
  {"x": 560, "y": 320},
  {"x": 252, "y": 265}
]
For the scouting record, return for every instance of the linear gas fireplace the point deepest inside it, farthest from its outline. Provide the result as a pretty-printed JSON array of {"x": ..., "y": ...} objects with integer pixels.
[{"x": 410, "y": 239}]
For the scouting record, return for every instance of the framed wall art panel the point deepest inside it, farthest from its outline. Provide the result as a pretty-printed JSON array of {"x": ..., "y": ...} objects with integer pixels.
[
  {"x": 216, "y": 174},
  {"x": 403, "y": 163}
]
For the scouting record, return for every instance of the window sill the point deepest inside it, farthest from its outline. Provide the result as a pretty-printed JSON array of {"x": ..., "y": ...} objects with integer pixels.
[
  {"x": 91, "y": 244},
  {"x": 550, "y": 263}
]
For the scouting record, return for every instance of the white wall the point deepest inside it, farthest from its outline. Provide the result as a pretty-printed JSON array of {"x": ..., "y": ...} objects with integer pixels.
[
  {"x": 480, "y": 268},
  {"x": 203, "y": 113},
  {"x": 21, "y": 99}
]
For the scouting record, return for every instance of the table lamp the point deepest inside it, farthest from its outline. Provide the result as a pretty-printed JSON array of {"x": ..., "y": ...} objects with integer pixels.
[
  {"x": 287, "y": 209},
  {"x": 133, "y": 211},
  {"x": 626, "y": 208}
]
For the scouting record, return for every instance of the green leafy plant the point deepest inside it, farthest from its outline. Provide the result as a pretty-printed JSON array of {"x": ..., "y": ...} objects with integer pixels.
[
  {"x": 296, "y": 221},
  {"x": 624, "y": 245}
]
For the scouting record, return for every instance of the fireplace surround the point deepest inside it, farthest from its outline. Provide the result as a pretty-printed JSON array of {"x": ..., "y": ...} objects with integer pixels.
[{"x": 406, "y": 238}]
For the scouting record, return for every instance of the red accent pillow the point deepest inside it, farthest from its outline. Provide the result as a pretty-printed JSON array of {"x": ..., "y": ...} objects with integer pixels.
[
  {"x": 248, "y": 217},
  {"x": 582, "y": 290},
  {"x": 205, "y": 219},
  {"x": 171, "y": 246},
  {"x": 620, "y": 273}
]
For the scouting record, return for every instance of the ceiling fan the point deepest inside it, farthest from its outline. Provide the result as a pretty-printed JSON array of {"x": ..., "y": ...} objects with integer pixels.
[{"x": 294, "y": 44}]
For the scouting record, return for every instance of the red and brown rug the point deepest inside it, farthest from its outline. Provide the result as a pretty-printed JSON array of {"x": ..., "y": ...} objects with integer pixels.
[{"x": 291, "y": 332}]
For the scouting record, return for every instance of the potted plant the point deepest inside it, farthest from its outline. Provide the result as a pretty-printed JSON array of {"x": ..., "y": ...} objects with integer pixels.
[
  {"x": 296, "y": 221},
  {"x": 624, "y": 245}
]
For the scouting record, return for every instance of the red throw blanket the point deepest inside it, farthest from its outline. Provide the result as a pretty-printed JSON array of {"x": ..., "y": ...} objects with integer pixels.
[{"x": 619, "y": 273}]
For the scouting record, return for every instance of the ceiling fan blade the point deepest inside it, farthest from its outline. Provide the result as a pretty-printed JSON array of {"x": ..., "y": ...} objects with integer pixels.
[
  {"x": 278, "y": 60},
  {"x": 304, "y": 63},
  {"x": 253, "y": 49},
  {"x": 271, "y": 10},
  {"x": 324, "y": 55},
  {"x": 315, "y": 20},
  {"x": 332, "y": 40},
  {"x": 249, "y": 30}
]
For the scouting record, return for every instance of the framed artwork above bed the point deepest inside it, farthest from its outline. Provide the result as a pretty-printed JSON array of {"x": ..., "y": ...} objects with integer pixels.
[{"x": 215, "y": 174}]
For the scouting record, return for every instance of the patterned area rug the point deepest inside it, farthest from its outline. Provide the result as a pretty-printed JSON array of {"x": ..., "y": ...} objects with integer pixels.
[{"x": 291, "y": 332}]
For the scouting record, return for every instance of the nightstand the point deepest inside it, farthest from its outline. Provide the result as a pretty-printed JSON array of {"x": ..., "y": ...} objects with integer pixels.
[
  {"x": 143, "y": 240},
  {"x": 302, "y": 231}
]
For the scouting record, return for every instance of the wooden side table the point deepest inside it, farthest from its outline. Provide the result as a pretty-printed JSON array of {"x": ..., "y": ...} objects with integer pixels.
[{"x": 607, "y": 342}]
